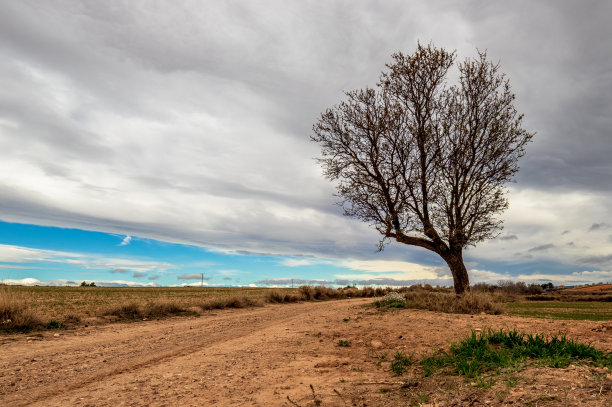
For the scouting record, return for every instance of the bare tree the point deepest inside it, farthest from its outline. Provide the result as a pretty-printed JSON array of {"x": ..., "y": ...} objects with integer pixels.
[{"x": 426, "y": 163}]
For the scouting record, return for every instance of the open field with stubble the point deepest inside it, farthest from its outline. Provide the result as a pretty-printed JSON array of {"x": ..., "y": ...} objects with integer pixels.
[
  {"x": 353, "y": 354},
  {"x": 60, "y": 303}
]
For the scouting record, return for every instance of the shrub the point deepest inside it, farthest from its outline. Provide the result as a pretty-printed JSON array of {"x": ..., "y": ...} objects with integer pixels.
[
  {"x": 306, "y": 292},
  {"x": 128, "y": 311},
  {"x": 278, "y": 297},
  {"x": 229, "y": 302}
]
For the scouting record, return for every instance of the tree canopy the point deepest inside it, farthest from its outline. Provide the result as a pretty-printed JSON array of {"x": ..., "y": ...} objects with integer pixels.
[{"x": 424, "y": 161}]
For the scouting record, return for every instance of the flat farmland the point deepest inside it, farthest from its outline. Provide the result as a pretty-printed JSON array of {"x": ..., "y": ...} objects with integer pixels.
[
  {"x": 562, "y": 310},
  {"x": 59, "y": 303}
]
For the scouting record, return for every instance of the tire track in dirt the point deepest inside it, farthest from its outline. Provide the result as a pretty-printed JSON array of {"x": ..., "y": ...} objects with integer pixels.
[{"x": 40, "y": 370}]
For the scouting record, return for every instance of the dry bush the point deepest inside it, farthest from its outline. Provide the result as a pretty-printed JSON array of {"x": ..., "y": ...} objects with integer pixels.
[
  {"x": 15, "y": 314},
  {"x": 306, "y": 292},
  {"x": 475, "y": 303},
  {"x": 162, "y": 309},
  {"x": 128, "y": 310},
  {"x": 155, "y": 309},
  {"x": 277, "y": 297},
  {"x": 229, "y": 302},
  {"x": 468, "y": 303}
]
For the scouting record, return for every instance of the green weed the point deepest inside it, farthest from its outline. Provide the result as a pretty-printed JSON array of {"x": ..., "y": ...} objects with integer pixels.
[
  {"x": 493, "y": 350},
  {"x": 401, "y": 363}
]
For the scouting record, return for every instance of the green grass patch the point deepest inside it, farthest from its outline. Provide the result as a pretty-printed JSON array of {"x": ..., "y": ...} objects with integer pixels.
[
  {"x": 495, "y": 350},
  {"x": 401, "y": 363},
  {"x": 591, "y": 311}
]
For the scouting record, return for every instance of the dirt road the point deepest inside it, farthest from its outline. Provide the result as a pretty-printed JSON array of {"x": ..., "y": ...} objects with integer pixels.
[{"x": 262, "y": 356}]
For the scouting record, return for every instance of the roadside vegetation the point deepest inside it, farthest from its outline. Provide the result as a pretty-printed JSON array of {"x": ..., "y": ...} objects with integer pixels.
[
  {"x": 23, "y": 309},
  {"x": 492, "y": 351}
]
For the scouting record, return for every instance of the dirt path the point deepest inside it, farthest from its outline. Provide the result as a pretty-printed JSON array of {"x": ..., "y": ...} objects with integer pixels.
[{"x": 261, "y": 356}]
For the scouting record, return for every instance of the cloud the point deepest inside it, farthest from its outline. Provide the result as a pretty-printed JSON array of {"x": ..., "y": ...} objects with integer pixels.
[
  {"x": 30, "y": 281},
  {"x": 19, "y": 254},
  {"x": 582, "y": 277},
  {"x": 87, "y": 87},
  {"x": 597, "y": 260},
  {"x": 407, "y": 269},
  {"x": 302, "y": 262},
  {"x": 541, "y": 248},
  {"x": 509, "y": 237},
  {"x": 138, "y": 274},
  {"x": 377, "y": 281},
  {"x": 122, "y": 271},
  {"x": 155, "y": 277},
  {"x": 126, "y": 241},
  {"x": 192, "y": 276},
  {"x": 13, "y": 266},
  {"x": 227, "y": 278},
  {"x": 599, "y": 226}
]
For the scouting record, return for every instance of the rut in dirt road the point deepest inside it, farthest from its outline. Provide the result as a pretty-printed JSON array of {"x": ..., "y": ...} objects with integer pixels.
[{"x": 33, "y": 372}]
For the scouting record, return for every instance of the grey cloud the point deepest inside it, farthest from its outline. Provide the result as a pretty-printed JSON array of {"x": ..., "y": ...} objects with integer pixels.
[
  {"x": 565, "y": 232},
  {"x": 541, "y": 248},
  {"x": 192, "y": 276},
  {"x": 122, "y": 271},
  {"x": 94, "y": 88},
  {"x": 154, "y": 277},
  {"x": 387, "y": 282},
  {"x": 509, "y": 237},
  {"x": 227, "y": 278},
  {"x": 599, "y": 226},
  {"x": 138, "y": 274},
  {"x": 596, "y": 261}
]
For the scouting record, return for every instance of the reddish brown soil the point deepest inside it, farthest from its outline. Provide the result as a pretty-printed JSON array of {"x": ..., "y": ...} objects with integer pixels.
[{"x": 262, "y": 356}]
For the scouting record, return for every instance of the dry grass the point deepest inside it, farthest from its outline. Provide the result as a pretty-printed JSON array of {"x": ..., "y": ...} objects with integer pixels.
[
  {"x": 236, "y": 301},
  {"x": 150, "y": 310},
  {"x": 469, "y": 303},
  {"x": 15, "y": 313},
  {"x": 70, "y": 306}
]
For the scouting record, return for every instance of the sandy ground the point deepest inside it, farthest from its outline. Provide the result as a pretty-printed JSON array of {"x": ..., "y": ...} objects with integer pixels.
[{"x": 270, "y": 356}]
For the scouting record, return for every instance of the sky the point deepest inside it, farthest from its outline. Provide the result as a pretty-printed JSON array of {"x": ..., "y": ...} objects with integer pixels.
[{"x": 151, "y": 143}]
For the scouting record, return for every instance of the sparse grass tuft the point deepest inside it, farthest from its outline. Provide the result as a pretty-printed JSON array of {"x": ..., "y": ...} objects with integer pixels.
[
  {"x": 344, "y": 342},
  {"x": 492, "y": 350}
]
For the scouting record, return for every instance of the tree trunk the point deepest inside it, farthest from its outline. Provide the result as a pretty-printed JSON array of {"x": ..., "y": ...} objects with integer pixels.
[{"x": 460, "y": 275}]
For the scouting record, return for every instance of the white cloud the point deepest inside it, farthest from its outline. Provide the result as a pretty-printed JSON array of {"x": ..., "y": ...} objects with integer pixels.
[
  {"x": 582, "y": 277},
  {"x": 19, "y": 254},
  {"x": 302, "y": 262},
  {"x": 393, "y": 269},
  {"x": 126, "y": 241},
  {"x": 29, "y": 281}
]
